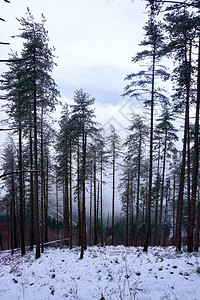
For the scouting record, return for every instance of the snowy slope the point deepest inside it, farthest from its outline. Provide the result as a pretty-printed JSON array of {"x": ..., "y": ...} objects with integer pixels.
[{"x": 104, "y": 273}]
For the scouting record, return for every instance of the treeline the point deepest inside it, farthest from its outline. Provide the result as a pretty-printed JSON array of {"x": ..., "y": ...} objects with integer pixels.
[{"x": 159, "y": 184}]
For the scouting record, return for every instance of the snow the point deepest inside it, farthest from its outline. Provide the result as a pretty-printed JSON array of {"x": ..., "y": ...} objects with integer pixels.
[{"x": 104, "y": 273}]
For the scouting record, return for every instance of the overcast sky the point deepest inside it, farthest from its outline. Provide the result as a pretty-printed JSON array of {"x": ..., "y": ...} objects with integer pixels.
[{"x": 94, "y": 40}]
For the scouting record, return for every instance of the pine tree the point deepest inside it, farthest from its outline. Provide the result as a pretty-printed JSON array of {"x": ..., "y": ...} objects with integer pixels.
[
  {"x": 17, "y": 109},
  {"x": 114, "y": 142},
  {"x": 84, "y": 127},
  {"x": 167, "y": 134},
  {"x": 143, "y": 83},
  {"x": 180, "y": 25},
  {"x": 41, "y": 88},
  {"x": 136, "y": 141}
]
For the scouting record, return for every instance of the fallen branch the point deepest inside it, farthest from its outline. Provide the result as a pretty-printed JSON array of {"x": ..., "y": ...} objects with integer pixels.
[{"x": 57, "y": 241}]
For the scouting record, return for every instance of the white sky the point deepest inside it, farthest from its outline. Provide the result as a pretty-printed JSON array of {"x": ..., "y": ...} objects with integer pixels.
[{"x": 94, "y": 40}]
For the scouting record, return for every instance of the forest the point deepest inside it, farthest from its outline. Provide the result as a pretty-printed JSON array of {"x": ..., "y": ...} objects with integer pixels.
[{"x": 53, "y": 180}]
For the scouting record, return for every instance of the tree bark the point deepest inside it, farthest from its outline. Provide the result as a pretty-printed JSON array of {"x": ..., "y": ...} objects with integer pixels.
[
  {"x": 83, "y": 227},
  {"x": 32, "y": 237},
  {"x": 70, "y": 191},
  {"x": 157, "y": 197},
  {"x": 162, "y": 191},
  {"x": 195, "y": 164},
  {"x": 113, "y": 198},
  {"x": 138, "y": 191},
  {"x": 182, "y": 177},
  {"x": 148, "y": 213},
  {"x": 95, "y": 203},
  {"x": 22, "y": 220},
  {"x": 101, "y": 196}
]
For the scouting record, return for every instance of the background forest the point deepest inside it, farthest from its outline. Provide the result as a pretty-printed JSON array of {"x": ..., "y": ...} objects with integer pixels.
[{"x": 54, "y": 179}]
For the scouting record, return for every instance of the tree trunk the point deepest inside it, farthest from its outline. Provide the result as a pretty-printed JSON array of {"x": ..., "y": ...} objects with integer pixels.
[
  {"x": 79, "y": 201},
  {"x": 97, "y": 209},
  {"x": 196, "y": 247},
  {"x": 95, "y": 203},
  {"x": 46, "y": 199},
  {"x": 12, "y": 210},
  {"x": 182, "y": 177},
  {"x": 132, "y": 211},
  {"x": 22, "y": 220},
  {"x": 42, "y": 185},
  {"x": 174, "y": 206},
  {"x": 83, "y": 227},
  {"x": 162, "y": 191},
  {"x": 195, "y": 163},
  {"x": 37, "y": 255},
  {"x": 57, "y": 224},
  {"x": 157, "y": 197},
  {"x": 138, "y": 191},
  {"x": 148, "y": 213},
  {"x": 32, "y": 237},
  {"x": 113, "y": 198},
  {"x": 127, "y": 212},
  {"x": 70, "y": 192},
  {"x": 90, "y": 223},
  {"x": 165, "y": 219},
  {"x": 66, "y": 204},
  {"x": 101, "y": 200}
]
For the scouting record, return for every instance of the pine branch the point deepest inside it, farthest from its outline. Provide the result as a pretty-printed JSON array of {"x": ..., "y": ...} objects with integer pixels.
[
  {"x": 2, "y": 43},
  {"x": 12, "y": 60},
  {"x": 5, "y": 129},
  {"x": 2, "y": 20},
  {"x": 7, "y": 1},
  {"x": 177, "y": 2},
  {"x": 17, "y": 172}
]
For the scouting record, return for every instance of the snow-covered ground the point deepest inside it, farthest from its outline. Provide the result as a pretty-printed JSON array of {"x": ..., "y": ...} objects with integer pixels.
[{"x": 104, "y": 273}]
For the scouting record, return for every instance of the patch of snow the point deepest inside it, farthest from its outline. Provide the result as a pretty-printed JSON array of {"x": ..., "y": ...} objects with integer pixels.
[{"x": 104, "y": 273}]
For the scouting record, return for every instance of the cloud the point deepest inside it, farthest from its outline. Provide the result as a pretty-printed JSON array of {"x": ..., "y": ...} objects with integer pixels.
[{"x": 94, "y": 39}]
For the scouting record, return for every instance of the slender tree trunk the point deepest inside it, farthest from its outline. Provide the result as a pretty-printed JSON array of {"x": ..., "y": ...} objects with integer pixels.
[
  {"x": 174, "y": 206},
  {"x": 107, "y": 226},
  {"x": 132, "y": 211},
  {"x": 195, "y": 163},
  {"x": 95, "y": 203},
  {"x": 162, "y": 192},
  {"x": 70, "y": 191},
  {"x": 46, "y": 200},
  {"x": 148, "y": 214},
  {"x": 182, "y": 177},
  {"x": 127, "y": 211},
  {"x": 57, "y": 224},
  {"x": 22, "y": 220},
  {"x": 42, "y": 185},
  {"x": 138, "y": 191},
  {"x": 113, "y": 198},
  {"x": 143, "y": 215},
  {"x": 97, "y": 208},
  {"x": 66, "y": 203},
  {"x": 79, "y": 201},
  {"x": 32, "y": 237},
  {"x": 12, "y": 210},
  {"x": 196, "y": 247},
  {"x": 181, "y": 186},
  {"x": 157, "y": 197},
  {"x": 101, "y": 200},
  {"x": 165, "y": 219},
  {"x": 83, "y": 227},
  {"x": 90, "y": 224},
  {"x": 37, "y": 255}
]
